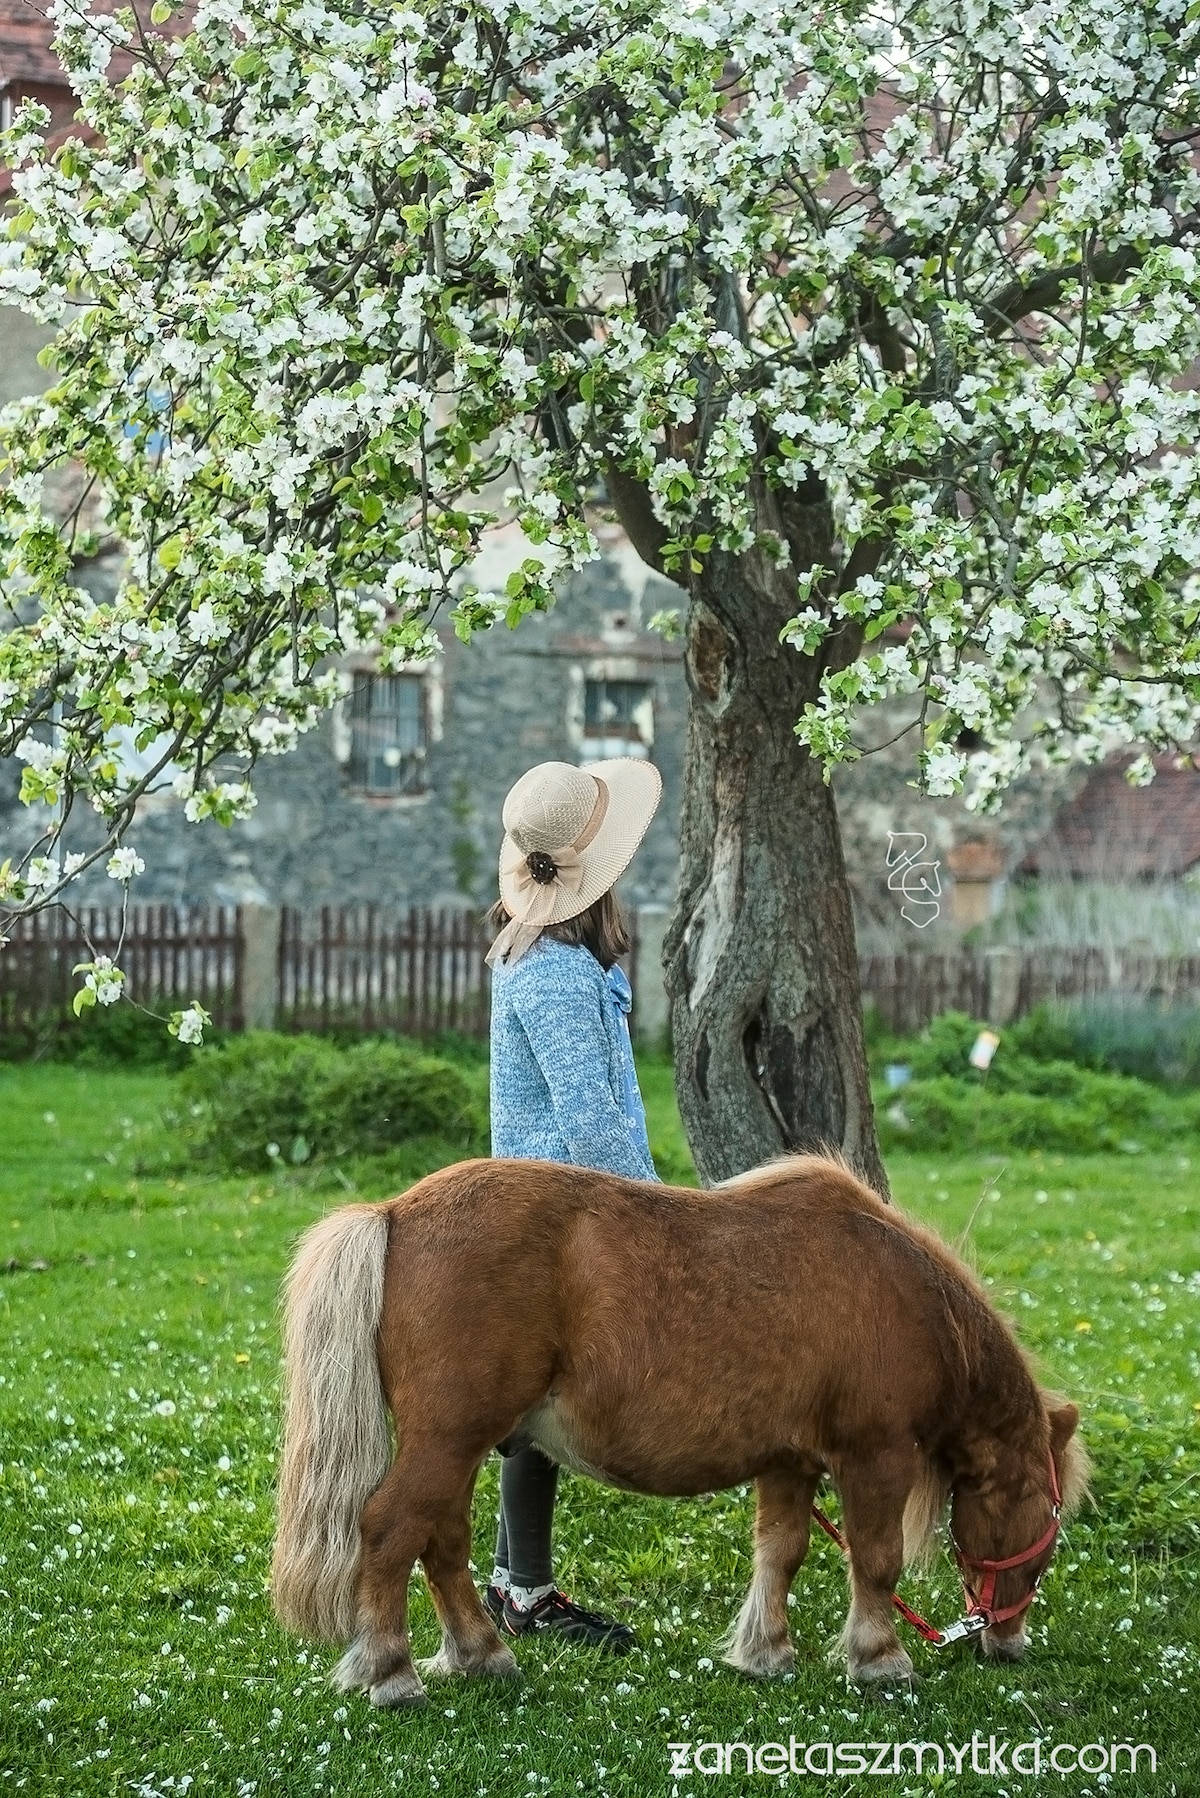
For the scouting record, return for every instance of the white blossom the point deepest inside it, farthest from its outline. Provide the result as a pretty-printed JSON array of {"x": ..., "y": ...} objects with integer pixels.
[
  {"x": 104, "y": 981},
  {"x": 329, "y": 285},
  {"x": 124, "y": 864}
]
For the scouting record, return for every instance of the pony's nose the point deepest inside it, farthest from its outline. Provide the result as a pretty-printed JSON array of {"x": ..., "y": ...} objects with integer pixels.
[{"x": 995, "y": 1647}]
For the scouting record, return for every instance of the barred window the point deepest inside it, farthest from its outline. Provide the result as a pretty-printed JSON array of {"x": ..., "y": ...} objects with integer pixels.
[
  {"x": 618, "y": 719},
  {"x": 389, "y": 732}
]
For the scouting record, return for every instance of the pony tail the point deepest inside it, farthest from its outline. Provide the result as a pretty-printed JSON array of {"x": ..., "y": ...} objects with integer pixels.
[{"x": 336, "y": 1442}]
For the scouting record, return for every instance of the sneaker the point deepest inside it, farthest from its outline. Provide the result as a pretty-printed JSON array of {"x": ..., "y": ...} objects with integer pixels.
[
  {"x": 556, "y": 1613},
  {"x": 493, "y": 1604}
]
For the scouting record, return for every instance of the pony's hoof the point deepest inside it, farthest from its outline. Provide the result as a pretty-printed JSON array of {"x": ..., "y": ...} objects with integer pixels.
[
  {"x": 403, "y": 1691},
  {"x": 763, "y": 1660},
  {"x": 888, "y": 1670},
  {"x": 500, "y": 1663}
]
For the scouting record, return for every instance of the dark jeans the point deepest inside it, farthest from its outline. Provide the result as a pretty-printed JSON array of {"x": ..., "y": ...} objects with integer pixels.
[{"x": 528, "y": 1481}]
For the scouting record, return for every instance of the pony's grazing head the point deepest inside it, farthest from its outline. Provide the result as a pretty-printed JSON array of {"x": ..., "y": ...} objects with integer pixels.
[{"x": 1005, "y": 1520}]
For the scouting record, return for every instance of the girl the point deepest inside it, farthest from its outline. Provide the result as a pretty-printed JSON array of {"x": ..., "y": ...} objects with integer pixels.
[{"x": 562, "y": 1081}]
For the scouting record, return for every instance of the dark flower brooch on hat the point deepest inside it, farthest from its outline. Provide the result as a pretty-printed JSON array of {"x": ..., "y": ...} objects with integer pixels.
[{"x": 543, "y": 867}]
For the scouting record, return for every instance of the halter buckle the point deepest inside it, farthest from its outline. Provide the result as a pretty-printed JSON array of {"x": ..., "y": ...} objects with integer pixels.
[{"x": 965, "y": 1627}]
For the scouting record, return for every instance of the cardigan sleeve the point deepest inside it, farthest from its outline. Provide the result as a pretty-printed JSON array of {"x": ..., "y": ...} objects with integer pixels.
[{"x": 565, "y": 1030}]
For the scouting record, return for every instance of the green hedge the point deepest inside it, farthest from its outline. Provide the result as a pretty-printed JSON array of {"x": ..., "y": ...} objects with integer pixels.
[
  {"x": 1034, "y": 1095},
  {"x": 264, "y": 1098}
]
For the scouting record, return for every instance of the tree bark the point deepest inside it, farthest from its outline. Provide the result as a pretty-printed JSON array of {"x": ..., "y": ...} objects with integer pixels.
[{"x": 760, "y": 959}]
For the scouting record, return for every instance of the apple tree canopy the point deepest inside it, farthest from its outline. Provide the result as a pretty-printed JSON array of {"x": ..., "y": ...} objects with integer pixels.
[{"x": 339, "y": 283}]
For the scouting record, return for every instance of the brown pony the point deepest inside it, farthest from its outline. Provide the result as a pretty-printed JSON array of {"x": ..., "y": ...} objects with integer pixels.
[{"x": 782, "y": 1326}]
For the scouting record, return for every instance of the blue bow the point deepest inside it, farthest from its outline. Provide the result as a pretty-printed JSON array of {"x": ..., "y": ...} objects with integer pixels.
[{"x": 619, "y": 987}]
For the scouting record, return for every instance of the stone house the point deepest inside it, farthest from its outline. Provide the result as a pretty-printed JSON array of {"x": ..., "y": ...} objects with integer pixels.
[{"x": 396, "y": 797}]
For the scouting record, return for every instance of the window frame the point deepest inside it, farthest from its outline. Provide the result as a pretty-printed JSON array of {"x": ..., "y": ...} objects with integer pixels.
[
  {"x": 366, "y": 751},
  {"x": 625, "y": 730}
]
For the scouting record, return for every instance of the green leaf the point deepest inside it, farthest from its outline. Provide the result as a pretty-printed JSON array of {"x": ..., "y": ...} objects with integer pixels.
[
  {"x": 160, "y": 12},
  {"x": 371, "y": 508},
  {"x": 82, "y": 1000}
]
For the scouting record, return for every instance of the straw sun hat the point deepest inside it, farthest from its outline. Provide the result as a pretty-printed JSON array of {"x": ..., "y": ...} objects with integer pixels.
[{"x": 569, "y": 834}]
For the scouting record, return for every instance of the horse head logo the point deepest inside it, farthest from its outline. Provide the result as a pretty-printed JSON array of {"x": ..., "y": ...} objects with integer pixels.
[{"x": 918, "y": 882}]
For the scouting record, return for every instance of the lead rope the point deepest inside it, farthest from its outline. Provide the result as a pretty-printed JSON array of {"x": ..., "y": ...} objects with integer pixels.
[{"x": 968, "y": 1626}]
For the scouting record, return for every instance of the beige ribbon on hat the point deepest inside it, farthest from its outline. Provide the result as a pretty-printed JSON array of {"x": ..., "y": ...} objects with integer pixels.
[{"x": 537, "y": 898}]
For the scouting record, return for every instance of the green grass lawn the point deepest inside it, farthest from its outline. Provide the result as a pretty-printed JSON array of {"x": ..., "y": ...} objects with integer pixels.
[{"x": 137, "y": 1434}]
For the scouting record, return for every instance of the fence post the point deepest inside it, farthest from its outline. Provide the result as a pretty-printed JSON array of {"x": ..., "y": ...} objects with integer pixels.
[
  {"x": 651, "y": 1008},
  {"x": 1003, "y": 984},
  {"x": 260, "y": 965}
]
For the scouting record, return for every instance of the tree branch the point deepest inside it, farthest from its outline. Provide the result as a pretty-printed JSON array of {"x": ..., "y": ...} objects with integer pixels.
[{"x": 631, "y": 502}]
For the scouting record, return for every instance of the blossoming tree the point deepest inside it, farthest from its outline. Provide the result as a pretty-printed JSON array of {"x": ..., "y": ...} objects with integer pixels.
[{"x": 867, "y": 321}]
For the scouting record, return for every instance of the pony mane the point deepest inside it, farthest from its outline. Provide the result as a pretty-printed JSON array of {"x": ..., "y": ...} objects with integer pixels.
[
  {"x": 1075, "y": 1464},
  {"x": 975, "y": 1326},
  {"x": 794, "y": 1161},
  {"x": 863, "y": 1198}
]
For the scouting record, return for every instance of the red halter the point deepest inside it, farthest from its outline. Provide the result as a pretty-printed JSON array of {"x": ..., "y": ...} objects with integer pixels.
[
  {"x": 979, "y": 1604},
  {"x": 981, "y": 1613}
]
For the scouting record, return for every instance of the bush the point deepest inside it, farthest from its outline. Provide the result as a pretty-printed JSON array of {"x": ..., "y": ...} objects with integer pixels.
[
  {"x": 1040, "y": 1092},
  {"x": 380, "y": 1093},
  {"x": 1103, "y": 1112},
  {"x": 1120, "y": 1034},
  {"x": 265, "y": 1097}
]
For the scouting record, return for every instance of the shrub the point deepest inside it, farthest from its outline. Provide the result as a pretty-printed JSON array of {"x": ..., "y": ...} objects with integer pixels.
[
  {"x": 1040, "y": 1092},
  {"x": 1045, "y": 1035},
  {"x": 1119, "y": 1034},
  {"x": 1105, "y": 1112},
  {"x": 941, "y": 1048},
  {"x": 265, "y": 1097},
  {"x": 379, "y": 1093}
]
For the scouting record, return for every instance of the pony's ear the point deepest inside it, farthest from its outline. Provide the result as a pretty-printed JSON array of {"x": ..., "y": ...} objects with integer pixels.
[
  {"x": 1064, "y": 1421},
  {"x": 1070, "y": 1456}
]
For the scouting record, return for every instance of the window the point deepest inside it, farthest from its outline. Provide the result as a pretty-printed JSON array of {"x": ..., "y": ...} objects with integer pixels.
[
  {"x": 618, "y": 719},
  {"x": 389, "y": 731}
]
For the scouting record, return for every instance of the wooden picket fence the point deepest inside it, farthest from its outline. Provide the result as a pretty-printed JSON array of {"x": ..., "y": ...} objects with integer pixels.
[
  {"x": 169, "y": 954},
  {"x": 360, "y": 968},
  {"x": 421, "y": 971},
  {"x": 909, "y": 989}
]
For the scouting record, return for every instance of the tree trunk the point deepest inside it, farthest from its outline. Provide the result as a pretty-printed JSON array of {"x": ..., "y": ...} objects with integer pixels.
[{"x": 760, "y": 958}]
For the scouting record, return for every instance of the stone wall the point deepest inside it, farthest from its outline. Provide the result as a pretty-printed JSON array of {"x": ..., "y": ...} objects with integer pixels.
[{"x": 497, "y": 706}]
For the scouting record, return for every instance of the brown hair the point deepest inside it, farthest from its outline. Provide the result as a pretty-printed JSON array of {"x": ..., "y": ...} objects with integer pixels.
[{"x": 601, "y": 928}]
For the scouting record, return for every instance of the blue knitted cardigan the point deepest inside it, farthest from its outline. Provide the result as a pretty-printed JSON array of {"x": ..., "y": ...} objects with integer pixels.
[{"x": 563, "y": 1085}]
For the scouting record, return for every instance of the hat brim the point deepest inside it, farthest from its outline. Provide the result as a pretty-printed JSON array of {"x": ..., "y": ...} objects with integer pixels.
[{"x": 634, "y": 790}]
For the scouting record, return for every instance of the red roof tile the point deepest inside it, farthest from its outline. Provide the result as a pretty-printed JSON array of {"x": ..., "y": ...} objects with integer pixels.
[
  {"x": 1112, "y": 831},
  {"x": 26, "y": 33}
]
